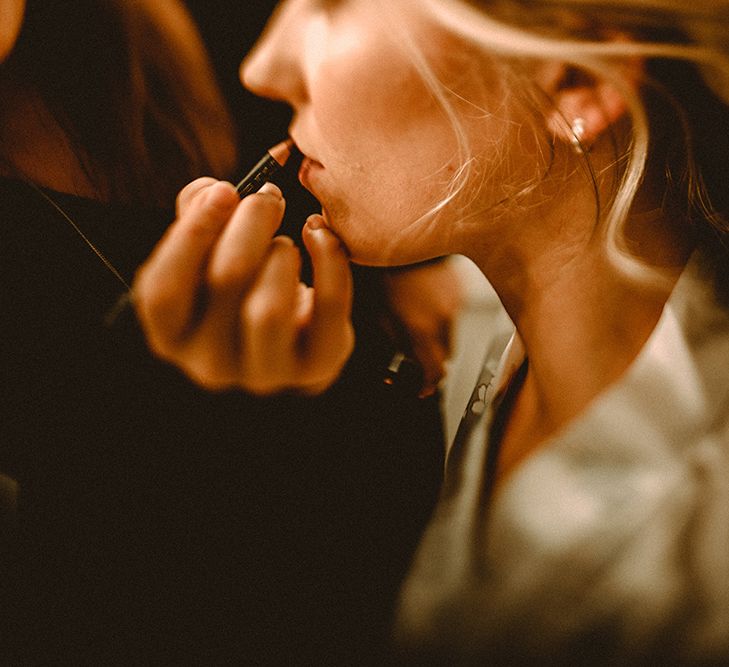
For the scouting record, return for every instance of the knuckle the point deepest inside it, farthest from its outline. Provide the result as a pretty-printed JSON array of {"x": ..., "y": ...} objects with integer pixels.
[
  {"x": 226, "y": 278},
  {"x": 263, "y": 312}
]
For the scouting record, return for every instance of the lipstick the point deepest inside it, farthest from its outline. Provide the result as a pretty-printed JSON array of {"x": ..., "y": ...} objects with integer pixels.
[{"x": 273, "y": 160}]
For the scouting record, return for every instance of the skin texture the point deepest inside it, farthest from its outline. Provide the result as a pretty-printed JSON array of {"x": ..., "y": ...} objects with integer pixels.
[
  {"x": 261, "y": 329},
  {"x": 380, "y": 155},
  {"x": 266, "y": 331},
  {"x": 358, "y": 106},
  {"x": 362, "y": 110}
]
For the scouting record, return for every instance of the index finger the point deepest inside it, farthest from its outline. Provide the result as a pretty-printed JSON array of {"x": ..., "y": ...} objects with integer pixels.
[
  {"x": 166, "y": 284},
  {"x": 245, "y": 240}
]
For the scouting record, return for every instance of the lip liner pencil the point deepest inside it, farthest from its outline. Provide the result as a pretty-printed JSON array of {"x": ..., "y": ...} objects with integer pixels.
[{"x": 274, "y": 159}]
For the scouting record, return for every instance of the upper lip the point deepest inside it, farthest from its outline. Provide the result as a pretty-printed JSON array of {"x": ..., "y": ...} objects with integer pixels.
[{"x": 302, "y": 148}]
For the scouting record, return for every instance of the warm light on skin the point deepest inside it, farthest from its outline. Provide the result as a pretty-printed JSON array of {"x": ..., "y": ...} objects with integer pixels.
[
  {"x": 526, "y": 216},
  {"x": 389, "y": 151},
  {"x": 363, "y": 111}
]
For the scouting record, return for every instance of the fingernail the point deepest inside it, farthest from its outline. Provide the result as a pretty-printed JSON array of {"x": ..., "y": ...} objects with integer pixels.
[
  {"x": 315, "y": 221},
  {"x": 269, "y": 188},
  {"x": 286, "y": 240}
]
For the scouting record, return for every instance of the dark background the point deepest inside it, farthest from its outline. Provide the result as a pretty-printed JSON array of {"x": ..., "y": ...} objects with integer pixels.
[
  {"x": 344, "y": 499},
  {"x": 230, "y": 29}
]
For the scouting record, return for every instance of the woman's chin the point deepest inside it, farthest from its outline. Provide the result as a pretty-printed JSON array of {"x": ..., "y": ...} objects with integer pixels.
[
  {"x": 374, "y": 257},
  {"x": 365, "y": 250}
]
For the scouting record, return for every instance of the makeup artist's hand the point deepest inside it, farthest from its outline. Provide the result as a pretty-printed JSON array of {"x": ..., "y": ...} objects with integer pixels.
[
  {"x": 424, "y": 301},
  {"x": 221, "y": 298}
]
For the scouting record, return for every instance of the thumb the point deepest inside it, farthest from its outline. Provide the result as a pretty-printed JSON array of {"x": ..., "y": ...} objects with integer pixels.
[{"x": 330, "y": 338}]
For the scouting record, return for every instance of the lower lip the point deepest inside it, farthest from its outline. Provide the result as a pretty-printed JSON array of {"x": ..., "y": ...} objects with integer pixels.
[{"x": 307, "y": 171}]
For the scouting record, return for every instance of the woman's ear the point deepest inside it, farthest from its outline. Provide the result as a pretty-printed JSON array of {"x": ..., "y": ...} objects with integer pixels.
[
  {"x": 586, "y": 105},
  {"x": 11, "y": 20}
]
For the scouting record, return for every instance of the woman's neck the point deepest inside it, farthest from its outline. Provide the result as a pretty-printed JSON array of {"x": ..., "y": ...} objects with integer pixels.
[
  {"x": 582, "y": 325},
  {"x": 581, "y": 319}
]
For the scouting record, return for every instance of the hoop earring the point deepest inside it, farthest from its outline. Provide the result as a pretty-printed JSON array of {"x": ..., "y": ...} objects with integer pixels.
[{"x": 578, "y": 133}]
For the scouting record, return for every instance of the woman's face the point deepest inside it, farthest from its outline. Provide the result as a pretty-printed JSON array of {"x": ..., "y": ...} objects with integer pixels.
[{"x": 380, "y": 151}]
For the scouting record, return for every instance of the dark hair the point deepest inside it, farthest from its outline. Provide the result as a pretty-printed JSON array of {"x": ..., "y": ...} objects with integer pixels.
[{"x": 112, "y": 79}]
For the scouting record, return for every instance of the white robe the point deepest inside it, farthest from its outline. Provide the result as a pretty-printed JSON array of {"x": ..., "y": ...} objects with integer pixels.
[{"x": 610, "y": 544}]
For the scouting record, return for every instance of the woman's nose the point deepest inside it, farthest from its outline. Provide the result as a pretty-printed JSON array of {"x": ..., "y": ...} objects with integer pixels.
[{"x": 273, "y": 69}]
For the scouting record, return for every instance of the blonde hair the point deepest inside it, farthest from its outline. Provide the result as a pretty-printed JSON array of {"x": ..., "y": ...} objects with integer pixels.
[{"x": 689, "y": 34}]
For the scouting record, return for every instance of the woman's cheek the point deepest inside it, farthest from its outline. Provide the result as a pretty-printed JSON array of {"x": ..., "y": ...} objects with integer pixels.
[{"x": 371, "y": 86}]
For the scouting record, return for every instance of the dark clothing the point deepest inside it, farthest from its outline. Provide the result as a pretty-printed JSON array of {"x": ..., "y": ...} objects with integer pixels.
[{"x": 159, "y": 523}]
